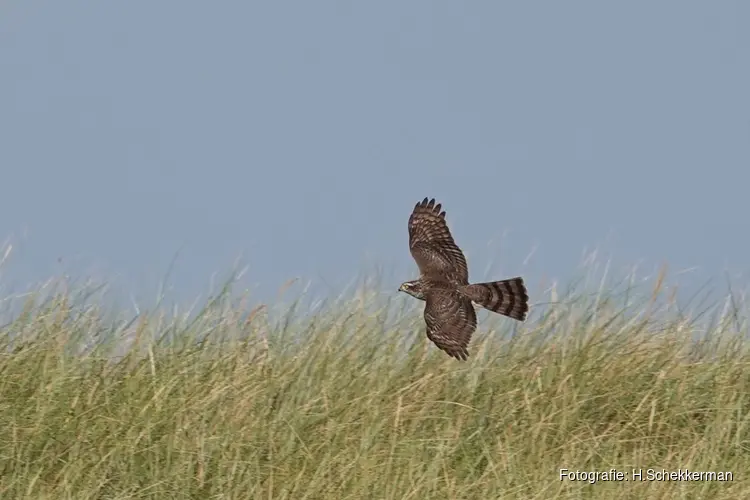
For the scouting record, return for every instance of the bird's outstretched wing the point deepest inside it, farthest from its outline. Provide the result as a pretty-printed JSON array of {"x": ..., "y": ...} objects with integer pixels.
[
  {"x": 432, "y": 246},
  {"x": 451, "y": 320}
]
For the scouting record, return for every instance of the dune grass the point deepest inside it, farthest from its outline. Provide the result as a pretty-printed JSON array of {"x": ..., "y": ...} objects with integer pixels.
[{"x": 350, "y": 401}]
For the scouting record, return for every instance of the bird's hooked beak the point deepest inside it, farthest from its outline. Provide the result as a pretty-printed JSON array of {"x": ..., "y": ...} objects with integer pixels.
[{"x": 402, "y": 288}]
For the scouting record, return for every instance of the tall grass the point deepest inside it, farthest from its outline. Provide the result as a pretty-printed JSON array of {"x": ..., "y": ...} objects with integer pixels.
[{"x": 351, "y": 401}]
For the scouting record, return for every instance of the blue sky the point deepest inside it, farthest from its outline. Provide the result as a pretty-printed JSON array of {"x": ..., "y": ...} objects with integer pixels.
[{"x": 297, "y": 136}]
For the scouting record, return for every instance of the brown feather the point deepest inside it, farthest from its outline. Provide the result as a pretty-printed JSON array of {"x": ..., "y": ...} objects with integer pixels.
[
  {"x": 433, "y": 247},
  {"x": 444, "y": 284},
  {"x": 506, "y": 297},
  {"x": 451, "y": 321}
]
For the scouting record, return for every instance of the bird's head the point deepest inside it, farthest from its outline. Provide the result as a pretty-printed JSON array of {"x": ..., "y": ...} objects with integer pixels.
[{"x": 413, "y": 288}]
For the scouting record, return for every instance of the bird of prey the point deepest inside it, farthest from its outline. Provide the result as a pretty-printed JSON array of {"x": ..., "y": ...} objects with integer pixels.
[{"x": 444, "y": 284}]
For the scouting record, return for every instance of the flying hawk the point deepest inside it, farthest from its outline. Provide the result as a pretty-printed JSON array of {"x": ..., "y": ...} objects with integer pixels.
[{"x": 444, "y": 284}]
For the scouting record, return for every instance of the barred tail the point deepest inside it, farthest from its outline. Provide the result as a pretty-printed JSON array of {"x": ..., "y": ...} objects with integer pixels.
[{"x": 506, "y": 297}]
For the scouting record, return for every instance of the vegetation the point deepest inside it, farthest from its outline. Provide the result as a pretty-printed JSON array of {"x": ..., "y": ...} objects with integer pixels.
[{"x": 350, "y": 401}]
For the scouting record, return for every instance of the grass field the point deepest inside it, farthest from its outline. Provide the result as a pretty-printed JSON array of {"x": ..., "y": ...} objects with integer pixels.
[{"x": 350, "y": 401}]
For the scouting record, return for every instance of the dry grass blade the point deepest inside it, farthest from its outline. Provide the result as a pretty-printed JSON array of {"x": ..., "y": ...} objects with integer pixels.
[{"x": 352, "y": 401}]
